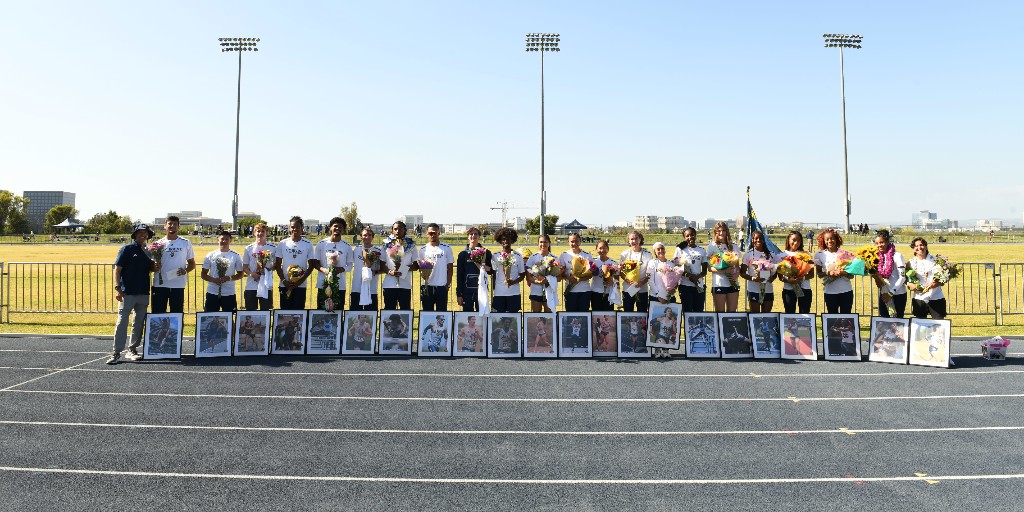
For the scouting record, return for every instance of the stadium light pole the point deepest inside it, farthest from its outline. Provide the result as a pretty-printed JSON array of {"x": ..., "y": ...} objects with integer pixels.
[
  {"x": 844, "y": 41},
  {"x": 543, "y": 43},
  {"x": 237, "y": 44}
]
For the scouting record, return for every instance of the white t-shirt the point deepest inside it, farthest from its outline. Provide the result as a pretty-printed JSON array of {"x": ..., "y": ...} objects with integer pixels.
[
  {"x": 535, "y": 258},
  {"x": 658, "y": 290},
  {"x": 249, "y": 258},
  {"x": 517, "y": 269},
  {"x": 806, "y": 284},
  {"x": 719, "y": 279},
  {"x": 566, "y": 260},
  {"x": 693, "y": 258},
  {"x": 357, "y": 267},
  {"x": 176, "y": 254},
  {"x": 295, "y": 253},
  {"x": 642, "y": 258},
  {"x": 748, "y": 257},
  {"x": 898, "y": 277},
  {"x": 597, "y": 282},
  {"x": 405, "y": 280},
  {"x": 234, "y": 267},
  {"x": 344, "y": 251},
  {"x": 925, "y": 273},
  {"x": 442, "y": 256},
  {"x": 842, "y": 284}
]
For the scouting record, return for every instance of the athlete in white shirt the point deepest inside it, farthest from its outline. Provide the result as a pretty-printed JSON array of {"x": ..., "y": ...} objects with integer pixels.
[
  {"x": 221, "y": 268},
  {"x": 332, "y": 244},
  {"x": 434, "y": 296},
  {"x": 251, "y": 267},
  {"x": 176, "y": 261},
  {"x": 297, "y": 251}
]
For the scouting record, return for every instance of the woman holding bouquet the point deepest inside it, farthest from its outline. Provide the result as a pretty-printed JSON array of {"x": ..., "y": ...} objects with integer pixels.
[
  {"x": 830, "y": 264},
  {"x": 756, "y": 261},
  {"x": 890, "y": 278},
  {"x": 635, "y": 295},
  {"x": 599, "y": 284},
  {"x": 724, "y": 292},
  {"x": 660, "y": 283},
  {"x": 928, "y": 297},
  {"x": 790, "y": 300},
  {"x": 692, "y": 292},
  {"x": 369, "y": 265},
  {"x": 509, "y": 271},
  {"x": 538, "y": 283},
  {"x": 576, "y": 264}
]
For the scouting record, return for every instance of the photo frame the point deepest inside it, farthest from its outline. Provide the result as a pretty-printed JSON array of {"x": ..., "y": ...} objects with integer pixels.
[
  {"x": 574, "y": 336},
  {"x": 701, "y": 331},
  {"x": 841, "y": 337},
  {"x": 163, "y": 336},
  {"x": 360, "y": 333},
  {"x": 663, "y": 325},
  {"x": 324, "y": 333},
  {"x": 289, "y": 332},
  {"x": 929, "y": 342},
  {"x": 766, "y": 335},
  {"x": 470, "y": 338},
  {"x": 505, "y": 333},
  {"x": 541, "y": 339},
  {"x": 434, "y": 334},
  {"x": 631, "y": 329},
  {"x": 799, "y": 336},
  {"x": 888, "y": 342},
  {"x": 605, "y": 334},
  {"x": 395, "y": 333},
  {"x": 252, "y": 331},
  {"x": 734, "y": 336},
  {"x": 213, "y": 334}
]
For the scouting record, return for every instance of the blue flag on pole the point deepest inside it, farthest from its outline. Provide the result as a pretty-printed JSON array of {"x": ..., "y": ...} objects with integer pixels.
[{"x": 754, "y": 225}]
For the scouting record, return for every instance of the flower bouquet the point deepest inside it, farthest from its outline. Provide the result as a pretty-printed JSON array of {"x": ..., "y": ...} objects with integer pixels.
[
  {"x": 843, "y": 261},
  {"x": 630, "y": 269},
  {"x": 156, "y": 251},
  {"x": 945, "y": 269},
  {"x": 526, "y": 252},
  {"x": 548, "y": 268},
  {"x": 395, "y": 254},
  {"x": 478, "y": 256},
  {"x": 426, "y": 267},
  {"x": 293, "y": 275},
  {"x": 670, "y": 277},
  {"x": 913, "y": 278},
  {"x": 264, "y": 260},
  {"x": 222, "y": 269},
  {"x": 610, "y": 272},
  {"x": 762, "y": 268},
  {"x": 507, "y": 260},
  {"x": 580, "y": 270},
  {"x": 796, "y": 267},
  {"x": 371, "y": 258},
  {"x": 869, "y": 255},
  {"x": 728, "y": 261},
  {"x": 330, "y": 287}
]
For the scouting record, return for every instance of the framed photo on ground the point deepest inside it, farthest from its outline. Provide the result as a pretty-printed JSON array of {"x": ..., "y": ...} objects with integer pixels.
[
  {"x": 842, "y": 337},
  {"x": 799, "y": 337},
  {"x": 929, "y": 342},
  {"x": 734, "y": 333},
  {"x": 606, "y": 338},
  {"x": 663, "y": 325},
  {"x": 701, "y": 331},
  {"x": 888, "y": 343},
  {"x": 395, "y": 332},
  {"x": 324, "y": 334},
  {"x": 289, "y": 332},
  {"x": 765, "y": 332},
  {"x": 541, "y": 339},
  {"x": 470, "y": 334},
  {"x": 632, "y": 331},
  {"x": 505, "y": 334},
  {"x": 163, "y": 336},
  {"x": 435, "y": 333},
  {"x": 360, "y": 333},
  {"x": 574, "y": 338},
  {"x": 252, "y": 330},
  {"x": 213, "y": 334}
]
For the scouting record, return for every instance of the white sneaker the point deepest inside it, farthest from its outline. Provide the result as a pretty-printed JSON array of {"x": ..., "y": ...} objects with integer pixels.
[
  {"x": 114, "y": 358},
  {"x": 132, "y": 355}
]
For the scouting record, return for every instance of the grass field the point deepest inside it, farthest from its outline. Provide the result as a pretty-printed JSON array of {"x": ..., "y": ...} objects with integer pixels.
[{"x": 972, "y": 285}]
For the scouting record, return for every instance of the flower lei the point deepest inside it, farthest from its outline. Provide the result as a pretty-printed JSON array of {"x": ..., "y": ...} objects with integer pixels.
[
  {"x": 406, "y": 242},
  {"x": 885, "y": 263}
]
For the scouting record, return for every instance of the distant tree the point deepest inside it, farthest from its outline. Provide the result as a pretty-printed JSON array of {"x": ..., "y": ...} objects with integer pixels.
[
  {"x": 13, "y": 218},
  {"x": 58, "y": 214},
  {"x": 550, "y": 223},
  {"x": 243, "y": 224},
  {"x": 109, "y": 223},
  {"x": 351, "y": 215}
]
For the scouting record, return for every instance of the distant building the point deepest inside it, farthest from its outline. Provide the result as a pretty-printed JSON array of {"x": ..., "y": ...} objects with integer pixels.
[
  {"x": 989, "y": 225},
  {"x": 671, "y": 223},
  {"x": 411, "y": 221},
  {"x": 517, "y": 223},
  {"x": 455, "y": 229},
  {"x": 190, "y": 218},
  {"x": 921, "y": 218},
  {"x": 248, "y": 215},
  {"x": 41, "y": 202}
]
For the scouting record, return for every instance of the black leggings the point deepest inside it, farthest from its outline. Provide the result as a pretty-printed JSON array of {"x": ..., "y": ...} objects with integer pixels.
[
  {"x": 899, "y": 303},
  {"x": 790, "y": 302},
  {"x": 839, "y": 302}
]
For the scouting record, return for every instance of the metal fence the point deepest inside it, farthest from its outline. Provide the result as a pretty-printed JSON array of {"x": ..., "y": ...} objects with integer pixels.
[{"x": 983, "y": 289}]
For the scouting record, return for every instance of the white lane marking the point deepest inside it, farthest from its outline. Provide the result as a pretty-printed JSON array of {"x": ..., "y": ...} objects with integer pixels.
[
  {"x": 841, "y": 430},
  {"x": 11, "y": 388},
  {"x": 49, "y": 351},
  {"x": 512, "y": 481},
  {"x": 132, "y": 394}
]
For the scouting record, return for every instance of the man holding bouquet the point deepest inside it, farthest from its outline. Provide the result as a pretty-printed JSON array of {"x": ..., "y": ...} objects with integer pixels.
[
  {"x": 469, "y": 272},
  {"x": 177, "y": 259},
  {"x": 333, "y": 243},
  {"x": 221, "y": 268},
  {"x": 434, "y": 296},
  {"x": 292, "y": 262},
  {"x": 257, "y": 263},
  {"x": 401, "y": 252}
]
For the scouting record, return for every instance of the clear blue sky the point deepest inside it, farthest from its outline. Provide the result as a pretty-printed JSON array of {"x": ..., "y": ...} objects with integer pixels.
[{"x": 433, "y": 108}]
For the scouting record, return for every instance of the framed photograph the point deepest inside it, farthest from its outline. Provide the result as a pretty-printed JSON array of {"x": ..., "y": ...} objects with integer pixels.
[
  {"x": 395, "y": 332},
  {"x": 470, "y": 334},
  {"x": 252, "y": 330},
  {"x": 163, "y": 336},
  {"x": 929, "y": 342},
  {"x": 324, "y": 334},
  {"x": 505, "y": 334},
  {"x": 574, "y": 338},
  {"x": 888, "y": 343},
  {"x": 435, "y": 333},
  {"x": 213, "y": 334},
  {"x": 606, "y": 339},
  {"x": 842, "y": 337},
  {"x": 632, "y": 334},
  {"x": 289, "y": 332},
  {"x": 765, "y": 332},
  {"x": 360, "y": 333},
  {"x": 701, "y": 334},
  {"x": 734, "y": 335},
  {"x": 799, "y": 336},
  {"x": 663, "y": 325},
  {"x": 541, "y": 338}
]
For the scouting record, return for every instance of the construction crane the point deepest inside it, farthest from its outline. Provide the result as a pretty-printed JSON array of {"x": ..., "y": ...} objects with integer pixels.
[{"x": 505, "y": 207}]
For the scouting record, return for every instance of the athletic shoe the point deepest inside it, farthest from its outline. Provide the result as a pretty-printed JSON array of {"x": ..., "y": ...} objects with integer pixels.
[
  {"x": 132, "y": 355},
  {"x": 114, "y": 358}
]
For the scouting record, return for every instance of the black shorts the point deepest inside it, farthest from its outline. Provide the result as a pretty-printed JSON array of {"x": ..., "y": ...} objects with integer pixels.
[
  {"x": 752, "y": 297},
  {"x": 538, "y": 298},
  {"x": 724, "y": 290}
]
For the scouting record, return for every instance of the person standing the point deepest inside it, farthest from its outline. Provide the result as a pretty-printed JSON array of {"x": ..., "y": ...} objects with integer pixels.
[
  {"x": 891, "y": 277},
  {"x": 577, "y": 294},
  {"x": 131, "y": 290},
  {"x": 294, "y": 250},
  {"x": 333, "y": 243},
  {"x": 398, "y": 280},
  {"x": 434, "y": 295},
  {"x": 694, "y": 260},
  {"x": 368, "y": 258},
  {"x": 252, "y": 295},
  {"x": 600, "y": 286},
  {"x": 635, "y": 295},
  {"x": 929, "y": 301},
  {"x": 838, "y": 289},
  {"x": 790, "y": 299},
  {"x": 221, "y": 268},
  {"x": 724, "y": 293},
  {"x": 176, "y": 260},
  {"x": 468, "y": 273},
  {"x": 760, "y": 296},
  {"x": 538, "y": 284},
  {"x": 509, "y": 270}
]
